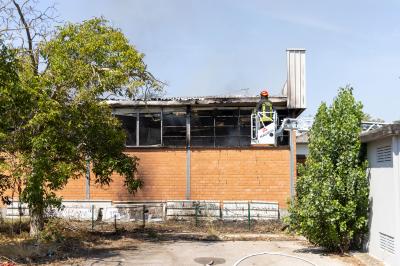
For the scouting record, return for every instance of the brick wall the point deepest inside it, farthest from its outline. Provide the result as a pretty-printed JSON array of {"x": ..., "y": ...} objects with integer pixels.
[
  {"x": 75, "y": 189},
  {"x": 163, "y": 172},
  {"x": 216, "y": 174},
  {"x": 241, "y": 174}
]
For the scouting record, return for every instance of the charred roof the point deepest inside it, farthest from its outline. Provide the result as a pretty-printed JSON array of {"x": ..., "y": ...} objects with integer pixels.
[{"x": 277, "y": 101}]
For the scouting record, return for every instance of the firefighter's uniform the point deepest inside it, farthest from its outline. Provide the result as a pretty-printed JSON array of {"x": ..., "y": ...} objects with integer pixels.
[{"x": 265, "y": 107}]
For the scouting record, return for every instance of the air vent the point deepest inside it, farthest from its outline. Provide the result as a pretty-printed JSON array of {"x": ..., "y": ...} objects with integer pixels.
[
  {"x": 386, "y": 242},
  {"x": 384, "y": 154}
]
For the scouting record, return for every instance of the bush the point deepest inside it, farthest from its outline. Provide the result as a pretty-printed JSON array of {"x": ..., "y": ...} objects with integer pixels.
[
  {"x": 53, "y": 231},
  {"x": 331, "y": 203}
]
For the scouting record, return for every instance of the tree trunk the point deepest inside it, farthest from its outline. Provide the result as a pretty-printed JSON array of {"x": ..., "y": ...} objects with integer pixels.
[{"x": 37, "y": 222}]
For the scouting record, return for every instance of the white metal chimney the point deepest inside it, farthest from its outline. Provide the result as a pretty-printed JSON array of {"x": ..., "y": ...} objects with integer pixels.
[{"x": 295, "y": 87}]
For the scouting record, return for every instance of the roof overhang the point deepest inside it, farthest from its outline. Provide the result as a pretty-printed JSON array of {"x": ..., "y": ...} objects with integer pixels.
[
  {"x": 197, "y": 101},
  {"x": 279, "y": 102},
  {"x": 380, "y": 133}
]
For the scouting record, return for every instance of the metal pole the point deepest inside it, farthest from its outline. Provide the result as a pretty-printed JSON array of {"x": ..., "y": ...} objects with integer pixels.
[
  {"x": 137, "y": 128},
  {"x": 188, "y": 160},
  {"x": 248, "y": 214},
  {"x": 144, "y": 216},
  {"x": 188, "y": 114},
  {"x": 196, "y": 210},
  {"x": 220, "y": 210},
  {"x": 115, "y": 222},
  {"x": 161, "y": 128},
  {"x": 92, "y": 217},
  {"x": 291, "y": 164}
]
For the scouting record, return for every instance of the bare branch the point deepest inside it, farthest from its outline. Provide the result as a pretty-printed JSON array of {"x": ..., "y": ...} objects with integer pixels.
[
  {"x": 28, "y": 36},
  {"x": 24, "y": 26}
]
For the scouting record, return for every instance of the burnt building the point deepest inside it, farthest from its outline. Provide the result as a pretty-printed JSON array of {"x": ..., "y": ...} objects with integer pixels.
[{"x": 202, "y": 148}]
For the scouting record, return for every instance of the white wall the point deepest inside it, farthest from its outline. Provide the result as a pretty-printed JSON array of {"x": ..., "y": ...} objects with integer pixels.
[
  {"x": 385, "y": 202},
  {"x": 302, "y": 149}
]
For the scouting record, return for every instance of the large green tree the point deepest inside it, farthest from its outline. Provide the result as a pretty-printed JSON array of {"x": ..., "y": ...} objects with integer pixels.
[
  {"x": 9, "y": 86},
  {"x": 58, "y": 116},
  {"x": 331, "y": 203}
]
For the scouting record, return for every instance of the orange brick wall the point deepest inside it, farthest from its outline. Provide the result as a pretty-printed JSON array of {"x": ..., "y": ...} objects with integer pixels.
[
  {"x": 163, "y": 172},
  {"x": 241, "y": 174},
  {"x": 75, "y": 189},
  {"x": 216, "y": 174}
]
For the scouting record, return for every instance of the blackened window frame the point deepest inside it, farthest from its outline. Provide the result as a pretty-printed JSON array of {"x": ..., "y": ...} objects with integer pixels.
[
  {"x": 138, "y": 112},
  {"x": 145, "y": 133},
  {"x": 243, "y": 129},
  {"x": 131, "y": 135},
  {"x": 217, "y": 114},
  {"x": 179, "y": 127}
]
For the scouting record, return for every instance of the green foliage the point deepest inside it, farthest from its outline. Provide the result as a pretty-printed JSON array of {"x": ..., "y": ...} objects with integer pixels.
[
  {"x": 331, "y": 203},
  {"x": 53, "y": 232},
  {"x": 8, "y": 78},
  {"x": 54, "y": 120},
  {"x": 96, "y": 58}
]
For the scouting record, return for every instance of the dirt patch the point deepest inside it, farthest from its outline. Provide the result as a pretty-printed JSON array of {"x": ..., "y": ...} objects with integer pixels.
[
  {"x": 68, "y": 241},
  {"x": 347, "y": 258},
  {"x": 72, "y": 242}
]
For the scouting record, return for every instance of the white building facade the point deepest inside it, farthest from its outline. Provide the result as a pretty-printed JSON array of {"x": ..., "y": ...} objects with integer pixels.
[{"x": 383, "y": 145}]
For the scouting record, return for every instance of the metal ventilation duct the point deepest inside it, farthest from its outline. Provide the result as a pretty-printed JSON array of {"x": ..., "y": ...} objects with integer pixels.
[{"x": 295, "y": 87}]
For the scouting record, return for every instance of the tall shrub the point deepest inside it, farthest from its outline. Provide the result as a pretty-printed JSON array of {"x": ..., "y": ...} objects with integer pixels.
[{"x": 331, "y": 204}]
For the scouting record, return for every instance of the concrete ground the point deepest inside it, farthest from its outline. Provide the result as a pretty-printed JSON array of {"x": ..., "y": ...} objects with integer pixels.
[{"x": 218, "y": 253}]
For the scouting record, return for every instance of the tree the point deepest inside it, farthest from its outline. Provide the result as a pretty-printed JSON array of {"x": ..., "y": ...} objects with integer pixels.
[
  {"x": 63, "y": 119},
  {"x": 23, "y": 27},
  {"x": 331, "y": 203},
  {"x": 8, "y": 86}
]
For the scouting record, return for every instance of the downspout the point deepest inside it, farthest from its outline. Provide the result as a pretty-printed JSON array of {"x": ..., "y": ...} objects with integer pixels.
[{"x": 188, "y": 159}]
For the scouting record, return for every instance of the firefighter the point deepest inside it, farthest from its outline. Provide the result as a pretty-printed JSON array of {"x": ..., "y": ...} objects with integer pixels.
[{"x": 265, "y": 107}]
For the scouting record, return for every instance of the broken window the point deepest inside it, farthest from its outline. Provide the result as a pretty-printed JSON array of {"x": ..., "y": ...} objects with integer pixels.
[
  {"x": 202, "y": 128},
  {"x": 212, "y": 127},
  {"x": 174, "y": 128},
  {"x": 222, "y": 127},
  {"x": 245, "y": 126},
  {"x": 129, "y": 124},
  {"x": 149, "y": 129},
  {"x": 227, "y": 128}
]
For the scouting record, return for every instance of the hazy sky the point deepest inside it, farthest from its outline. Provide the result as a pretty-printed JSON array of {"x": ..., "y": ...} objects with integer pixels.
[{"x": 220, "y": 47}]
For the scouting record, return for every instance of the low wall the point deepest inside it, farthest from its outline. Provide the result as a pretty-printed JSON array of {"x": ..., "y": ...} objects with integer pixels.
[
  {"x": 257, "y": 210},
  {"x": 186, "y": 209},
  {"x": 226, "y": 210},
  {"x": 158, "y": 211}
]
